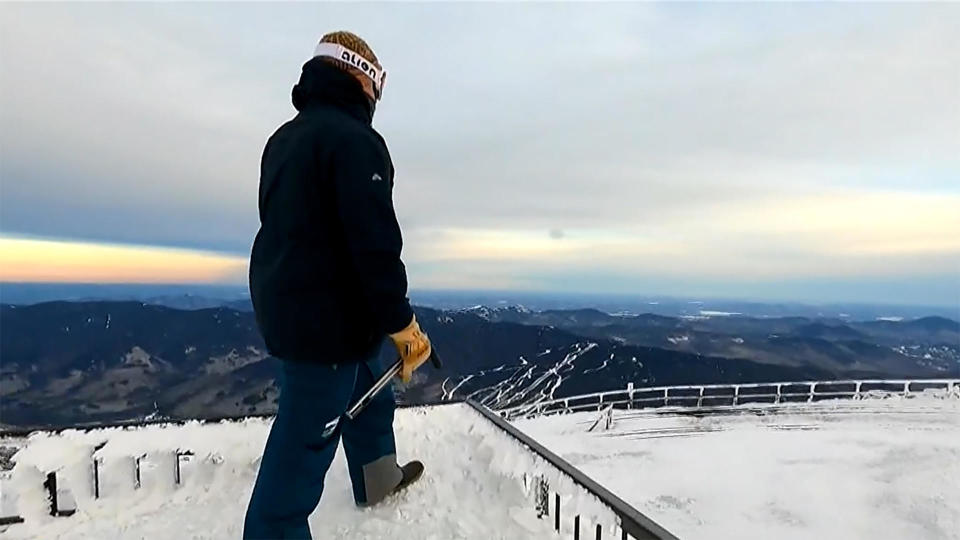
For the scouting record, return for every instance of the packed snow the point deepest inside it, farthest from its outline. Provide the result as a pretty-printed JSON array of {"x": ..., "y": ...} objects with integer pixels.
[
  {"x": 473, "y": 486},
  {"x": 873, "y": 468}
]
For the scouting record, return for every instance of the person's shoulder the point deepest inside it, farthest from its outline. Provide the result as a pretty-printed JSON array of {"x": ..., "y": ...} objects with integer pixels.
[
  {"x": 331, "y": 124},
  {"x": 359, "y": 137}
]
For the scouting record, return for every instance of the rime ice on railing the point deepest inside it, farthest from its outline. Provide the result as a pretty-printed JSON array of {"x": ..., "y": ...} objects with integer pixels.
[{"x": 719, "y": 396}]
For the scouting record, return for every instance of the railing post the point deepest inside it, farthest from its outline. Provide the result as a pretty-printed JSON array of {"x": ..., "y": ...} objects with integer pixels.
[
  {"x": 736, "y": 395},
  {"x": 630, "y": 395},
  {"x": 96, "y": 478},
  {"x": 51, "y": 486},
  {"x": 541, "y": 496},
  {"x": 906, "y": 389},
  {"x": 700, "y": 399},
  {"x": 857, "y": 394},
  {"x": 779, "y": 397},
  {"x": 606, "y": 417},
  {"x": 556, "y": 513},
  {"x": 96, "y": 470},
  {"x": 813, "y": 390},
  {"x": 576, "y": 528},
  {"x": 666, "y": 396},
  {"x": 176, "y": 467}
]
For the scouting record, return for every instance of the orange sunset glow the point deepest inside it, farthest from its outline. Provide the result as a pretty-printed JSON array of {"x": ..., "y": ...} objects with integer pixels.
[{"x": 29, "y": 260}]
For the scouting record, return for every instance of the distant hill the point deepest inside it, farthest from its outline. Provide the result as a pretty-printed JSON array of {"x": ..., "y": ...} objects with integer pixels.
[
  {"x": 71, "y": 362},
  {"x": 923, "y": 347}
]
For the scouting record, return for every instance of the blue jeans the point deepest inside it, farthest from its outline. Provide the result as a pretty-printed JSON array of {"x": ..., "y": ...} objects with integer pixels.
[{"x": 303, "y": 441}]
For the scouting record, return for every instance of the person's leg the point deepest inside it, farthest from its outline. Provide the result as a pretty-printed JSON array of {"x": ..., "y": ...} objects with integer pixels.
[
  {"x": 299, "y": 450},
  {"x": 368, "y": 441}
]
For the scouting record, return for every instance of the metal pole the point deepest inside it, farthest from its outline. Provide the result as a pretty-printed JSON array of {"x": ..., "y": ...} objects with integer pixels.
[
  {"x": 379, "y": 385},
  {"x": 556, "y": 515},
  {"x": 382, "y": 382},
  {"x": 96, "y": 478},
  {"x": 96, "y": 470}
]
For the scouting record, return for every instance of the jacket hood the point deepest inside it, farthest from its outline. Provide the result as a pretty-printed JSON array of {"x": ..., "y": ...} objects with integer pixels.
[{"x": 322, "y": 83}]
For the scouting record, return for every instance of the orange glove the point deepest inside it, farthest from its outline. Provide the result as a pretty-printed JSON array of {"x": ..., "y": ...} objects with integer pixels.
[{"x": 413, "y": 346}]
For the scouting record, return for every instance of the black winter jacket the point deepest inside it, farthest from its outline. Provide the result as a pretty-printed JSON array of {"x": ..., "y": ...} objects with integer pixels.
[{"x": 325, "y": 273}]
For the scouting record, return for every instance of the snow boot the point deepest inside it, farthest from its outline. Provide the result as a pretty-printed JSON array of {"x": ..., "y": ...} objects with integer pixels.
[{"x": 411, "y": 473}]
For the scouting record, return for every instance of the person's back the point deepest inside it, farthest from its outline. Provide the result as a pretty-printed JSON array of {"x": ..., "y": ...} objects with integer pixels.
[
  {"x": 327, "y": 286},
  {"x": 304, "y": 279}
]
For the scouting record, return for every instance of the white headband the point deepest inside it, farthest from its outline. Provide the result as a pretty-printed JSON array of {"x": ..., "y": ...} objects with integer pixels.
[{"x": 355, "y": 59}]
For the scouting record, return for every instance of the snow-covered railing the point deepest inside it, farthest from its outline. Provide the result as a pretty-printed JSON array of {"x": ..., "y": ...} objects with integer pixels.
[
  {"x": 721, "y": 396},
  {"x": 88, "y": 469},
  {"x": 60, "y": 500},
  {"x": 631, "y": 524}
]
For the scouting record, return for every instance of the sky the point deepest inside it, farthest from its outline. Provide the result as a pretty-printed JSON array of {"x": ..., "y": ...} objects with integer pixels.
[{"x": 766, "y": 151}]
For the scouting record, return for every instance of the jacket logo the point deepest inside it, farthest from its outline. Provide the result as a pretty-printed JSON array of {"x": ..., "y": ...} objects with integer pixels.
[
  {"x": 377, "y": 177},
  {"x": 329, "y": 428}
]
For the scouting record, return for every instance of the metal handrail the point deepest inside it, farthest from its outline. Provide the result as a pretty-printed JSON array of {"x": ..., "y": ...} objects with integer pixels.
[
  {"x": 632, "y": 522},
  {"x": 596, "y": 400}
]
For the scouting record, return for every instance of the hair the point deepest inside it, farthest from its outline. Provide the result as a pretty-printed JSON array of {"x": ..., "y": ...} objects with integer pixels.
[{"x": 351, "y": 41}]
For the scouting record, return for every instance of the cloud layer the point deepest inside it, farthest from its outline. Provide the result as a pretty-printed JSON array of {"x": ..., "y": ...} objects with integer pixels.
[{"x": 544, "y": 144}]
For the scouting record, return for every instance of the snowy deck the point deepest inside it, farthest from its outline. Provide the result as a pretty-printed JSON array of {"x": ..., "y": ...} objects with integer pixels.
[
  {"x": 470, "y": 488},
  {"x": 835, "y": 469}
]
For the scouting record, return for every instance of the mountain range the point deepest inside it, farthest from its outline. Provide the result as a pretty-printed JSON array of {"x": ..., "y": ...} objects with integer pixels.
[{"x": 66, "y": 363}]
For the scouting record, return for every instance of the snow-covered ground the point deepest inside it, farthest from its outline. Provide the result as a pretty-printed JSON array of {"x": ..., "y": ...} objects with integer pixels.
[
  {"x": 871, "y": 468},
  {"x": 472, "y": 487},
  {"x": 877, "y": 469}
]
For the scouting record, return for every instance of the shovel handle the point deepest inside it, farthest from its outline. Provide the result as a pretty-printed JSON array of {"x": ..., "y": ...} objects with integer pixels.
[
  {"x": 435, "y": 359},
  {"x": 383, "y": 381}
]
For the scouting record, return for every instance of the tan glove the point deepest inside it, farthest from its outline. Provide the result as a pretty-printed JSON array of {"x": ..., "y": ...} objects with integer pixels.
[{"x": 413, "y": 346}]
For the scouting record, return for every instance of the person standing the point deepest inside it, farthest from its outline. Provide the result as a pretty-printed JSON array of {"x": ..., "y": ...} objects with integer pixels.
[{"x": 328, "y": 285}]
